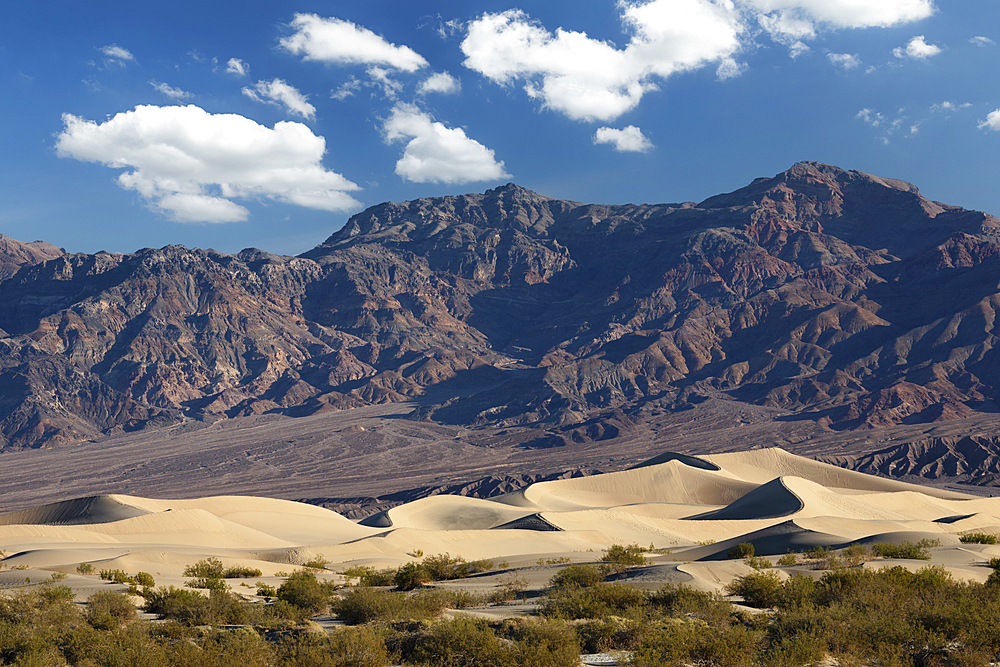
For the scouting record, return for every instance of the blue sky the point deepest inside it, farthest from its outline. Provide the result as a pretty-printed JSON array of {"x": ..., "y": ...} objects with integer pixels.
[{"x": 230, "y": 125}]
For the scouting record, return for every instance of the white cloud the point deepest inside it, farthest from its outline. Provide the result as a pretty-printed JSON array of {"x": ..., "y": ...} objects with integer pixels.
[
  {"x": 588, "y": 79},
  {"x": 439, "y": 82},
  {"x": 281, "y": 94},
  {"x": 380, "y": 78},
  {"x": 346, "y": 89},
  {"x": 627, "y": 140},
  {"x": 332, "y": 40},
  {"x": 917, "y": 49},
  {"x": 845, "y": 60},
  {"x": 730, "y": 69},
  {"x": 799, "y": 19},
  {"x": 438, "y": 154},
  {"x": 797, "y": 48},
  {"x": 992, "y": 121},
  {"x": 870, "y": 117},
  {"x": 979, "y": 40},
  {"x": 116, "y": 52},
  {"x": 237, "y": 67},
  {"x": 170, "y": 91},
  {"x": 950, "y": 106},
  {"x": 190, "y": 164}
]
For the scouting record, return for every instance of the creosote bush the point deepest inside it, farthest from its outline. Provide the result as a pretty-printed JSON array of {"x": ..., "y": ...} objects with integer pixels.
[
  {"x": 977, "y": 538},
  {"x": 580, "y": 576},
  {"x": 618, "y": 558},
  {"x": 741, "y": 550},
  {"x": 910, "y": 550},
  {"x": 304, "y": 590},
  {"x": 109, "y": 609}
]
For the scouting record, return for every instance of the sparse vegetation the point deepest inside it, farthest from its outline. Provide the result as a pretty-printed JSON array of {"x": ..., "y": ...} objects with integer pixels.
[
  {"x": 618, "y": 558},
  {"x": 578, "y": 576},
  {"x": 910, "y": 550},
  {"x": 84, "y": 568},
  {"x": 977, "y": 538},
  {"x": 741, "y": 550}
]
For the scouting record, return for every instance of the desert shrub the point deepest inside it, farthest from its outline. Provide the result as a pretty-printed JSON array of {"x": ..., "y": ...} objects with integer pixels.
[
  {"x": 463, "y": 642},
  {"x": 266, "y": 591},
  {"x": 109, "y": 609},
  {"x": 369, "y": 576},
  {"x": 316, "y": 563},
  {"x": 679, "y": 600},
  {"x": 788, "y": 559},
  {"x": 208, "y": 583},
  {"x": 365, "y": 604},
  {"x": 508, "y": 590},
  {"x": 758, "y": 562},
  {"x": 994, "y": 563},
  {"x": 117, "y": 576},
  {"x": 345, "y": 647},
  {"x": 85, "y": 568},
  {"x": 855, "y": 554},
  {"x": 411, "y": 576},
  {"x": 303, "y": 590},
  {"x": 209, "y": 568},
  {"x": 241, "y": 572},
  {"x": 598, "y": 601},
  {"x": 907, "y": 550},
  {"x": 758, "y": 589},
  {"x": 609, "y": 634},
  {"x": 977, "y": 538},
  {"x": 543, "y": 643},
  {"x": 143, "y": 579},
  {"x": 618, "y": 558},
  {"x": 581, "y": 576},
  {"x": 443, "y": 567},
  {"x": 741, "y": 550},
  {"x": 191, "y": 608}
]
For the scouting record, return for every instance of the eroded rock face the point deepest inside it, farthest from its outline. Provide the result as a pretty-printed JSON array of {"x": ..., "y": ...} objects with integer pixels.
[{"x": 832, "y": 294}]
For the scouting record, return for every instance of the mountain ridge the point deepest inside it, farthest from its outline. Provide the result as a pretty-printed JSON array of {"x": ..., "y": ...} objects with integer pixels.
[{"x": 832, "y": 295}]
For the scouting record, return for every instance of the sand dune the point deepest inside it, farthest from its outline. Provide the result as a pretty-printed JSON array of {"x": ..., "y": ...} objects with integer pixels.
[{"x": 698, "y": 508}]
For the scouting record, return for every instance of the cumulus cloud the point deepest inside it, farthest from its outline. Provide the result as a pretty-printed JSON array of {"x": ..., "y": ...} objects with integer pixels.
[
  {"x": 992, "y": 121},
  {"x": 588, "y": 79},
  {"x": 917, "y": 49},
  {"x": 438, "y": 154},
  {"x": 116, "y": 52},
  {"x": 593, "y": 80},
  {"x": 790, "y": 20},
  {"x": 279, "y": 93},
  {"x": 341, "y": 42},
  {"x": 439, "y": 82},
  {"x": 627, "y": 140},
  {"x": 979, "y": 40},
  {"x": 170, "y": 91},
  {"x": 382, "y": 78},
  {"x": 845, "y": 60},
  {"x": 237, "y": 67},
  {"x": 191, "y": 164}
]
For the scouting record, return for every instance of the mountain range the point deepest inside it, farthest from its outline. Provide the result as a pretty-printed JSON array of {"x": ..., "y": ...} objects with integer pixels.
[{"x": 829, "y": 295}]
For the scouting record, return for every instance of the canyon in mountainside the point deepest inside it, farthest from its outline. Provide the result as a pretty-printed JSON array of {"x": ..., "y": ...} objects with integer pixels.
[{"x": 838, "y": 314}]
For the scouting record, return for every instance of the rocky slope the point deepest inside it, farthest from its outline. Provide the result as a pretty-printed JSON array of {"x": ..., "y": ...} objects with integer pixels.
[{"x": 833, "y": 295}]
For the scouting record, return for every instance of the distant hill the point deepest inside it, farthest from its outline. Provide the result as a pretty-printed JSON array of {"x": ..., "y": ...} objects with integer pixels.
[{"x": 834, "y": 295}]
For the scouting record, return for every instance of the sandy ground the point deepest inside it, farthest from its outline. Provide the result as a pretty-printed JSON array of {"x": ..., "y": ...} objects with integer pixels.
[{"x": 690, "y": 514}]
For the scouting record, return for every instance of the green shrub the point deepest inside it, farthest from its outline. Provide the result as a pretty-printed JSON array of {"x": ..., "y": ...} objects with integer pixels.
[
  {"x": 463, "y": 642},
  {"x": 443, "y": 567},
  {"x": 788, "y": 559},
  {"x": 543, "y": 643},
  {"x": 367, "y": 605},
  {"x": 994, "y": 563},
  {"x": 600, "y": 601},
  {"x": 144, "y": 579},
  {"x": 741, "y": 550},
  {"x": 908, "y": 550},
  {"x": 241, "y": 572},
  {"x": 977, "y": 538},
  {"x": 264, "y": 590},
  {"x": 208, "y": 583},
  {"x": 303, "y": 590},
  {"x": 758, "y": 562},
  {"x": 581, "y": 576},
  {"x": 410, "y": 576},
  {"x": 85, "y": 568},
  {"x": 758, "y": 589},
  {"x": 109, "y": 609},
  {"x": 369, "y": 576},
  {"x": 210, "y": 568},
  {"x": 117, "y": 576},
  {"x": 618, "y": 558},
  {"x": 344, "y": 647},
  {"x": 317, "y": 563}
]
